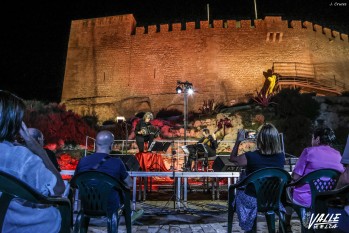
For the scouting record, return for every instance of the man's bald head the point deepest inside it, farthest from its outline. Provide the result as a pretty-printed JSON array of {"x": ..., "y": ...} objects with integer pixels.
[
  {"x": 104, "y": 141},
  {"x": 37, "y": 135}
]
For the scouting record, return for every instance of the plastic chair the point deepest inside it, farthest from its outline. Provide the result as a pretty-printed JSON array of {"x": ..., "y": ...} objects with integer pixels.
[
  {"x": 336, "y": 198},
  {"x": 269, "y": 184},
  {"x": 12, "y": 187},
  {"x": 94, "y": 190},
  {"x": 317, "y": 185}
]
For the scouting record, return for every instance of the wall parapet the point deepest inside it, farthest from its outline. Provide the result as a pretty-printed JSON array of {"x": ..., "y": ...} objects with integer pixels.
[{"x": 270, "y": 23}]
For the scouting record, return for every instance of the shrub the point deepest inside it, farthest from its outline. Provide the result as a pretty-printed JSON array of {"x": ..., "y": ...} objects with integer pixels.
[
  {"x": 56, "y": 123},
  {"x": 167, "y": 113},
  {"x": 295, "y": 114}
]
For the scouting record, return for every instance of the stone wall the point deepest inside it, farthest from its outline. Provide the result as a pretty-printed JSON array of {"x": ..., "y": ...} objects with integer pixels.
[{"x": 115, "y": 68}]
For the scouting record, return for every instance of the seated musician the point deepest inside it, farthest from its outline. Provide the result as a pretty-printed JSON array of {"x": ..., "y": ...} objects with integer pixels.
[
  {"x": 144, "y": 132},
  {"x": 209, "y": 142}
]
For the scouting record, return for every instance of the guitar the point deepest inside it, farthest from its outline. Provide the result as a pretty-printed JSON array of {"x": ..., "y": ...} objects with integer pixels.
[{"x": 150, "y": 130}]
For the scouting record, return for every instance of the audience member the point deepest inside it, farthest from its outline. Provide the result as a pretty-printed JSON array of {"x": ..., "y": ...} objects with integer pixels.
[
  {"x": 344, "y": 178},
  {"x": 268, "y": 154},
  {"x": 30, "y": 164},
  {"x": 319, "y": 156},
  {"x": 39, "y": 137},
  {"x": 103, "y": 162}
]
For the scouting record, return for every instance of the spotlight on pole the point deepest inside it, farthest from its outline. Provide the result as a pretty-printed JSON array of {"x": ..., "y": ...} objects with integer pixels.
[
  {"x": 179, "y": 90},
  {"x": 187, "y": 89}
]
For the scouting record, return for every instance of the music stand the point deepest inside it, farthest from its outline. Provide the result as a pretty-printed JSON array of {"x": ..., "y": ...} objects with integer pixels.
[{"x": 158, "y": 146}]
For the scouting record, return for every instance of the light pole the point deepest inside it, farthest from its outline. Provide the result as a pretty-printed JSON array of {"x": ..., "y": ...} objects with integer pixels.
[{"x": 187, "y": 89}]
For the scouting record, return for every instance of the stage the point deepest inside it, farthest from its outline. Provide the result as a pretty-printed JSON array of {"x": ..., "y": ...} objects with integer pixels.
[{"x": 143, "y": 182}]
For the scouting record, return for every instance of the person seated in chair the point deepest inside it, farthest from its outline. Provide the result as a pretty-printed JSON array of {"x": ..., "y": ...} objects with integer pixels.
[
  {"x": 319, "y": 156},
  {"x": 29, "y": 163},
  {"x": 103, "y": 162},
  {"x": 268, "y": 154},
  {"x": 343, "y": 223},
  {"x": 39, "y": 137},
  {"x": 196, "y": 151},
  {"x": 143, "y": 133}
]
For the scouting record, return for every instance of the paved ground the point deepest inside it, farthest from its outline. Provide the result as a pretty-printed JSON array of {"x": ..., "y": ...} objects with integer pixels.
[{"x": 201, "y": 216}]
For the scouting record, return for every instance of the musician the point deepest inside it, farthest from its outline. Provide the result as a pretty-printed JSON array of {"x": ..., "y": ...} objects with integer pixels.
[
  {"x": 142, "y": 131},
  {"x": 209, "y": 142}
]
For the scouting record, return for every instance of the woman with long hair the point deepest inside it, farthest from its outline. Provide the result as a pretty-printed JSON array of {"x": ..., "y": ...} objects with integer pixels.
[{"x": 268, "y": 154}]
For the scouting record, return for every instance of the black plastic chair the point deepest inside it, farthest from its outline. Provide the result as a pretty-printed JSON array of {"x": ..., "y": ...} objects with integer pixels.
[
  {"x": 269, "y": 184},
  {"x": 94, "y": 191},
  {"x": 317, "y": 185},
  {"x": 336, "y": 198},
  {"x": 11, "y": 187}
]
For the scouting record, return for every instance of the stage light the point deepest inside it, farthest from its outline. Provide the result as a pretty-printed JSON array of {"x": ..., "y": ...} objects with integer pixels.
[
  {"x": 179, "y": 89},
  {"x": 120, "y": 119},
  {"x": 187, "y": 89}
]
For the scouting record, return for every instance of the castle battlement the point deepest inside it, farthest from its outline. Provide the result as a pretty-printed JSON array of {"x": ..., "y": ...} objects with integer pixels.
[{"x": 273, "y": 24}]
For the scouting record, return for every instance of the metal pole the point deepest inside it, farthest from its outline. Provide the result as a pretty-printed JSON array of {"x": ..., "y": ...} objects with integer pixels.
[
  {"x": 126, "y": 136},
  {"x": 255, "y": 9},
  {"x": 185, "y": 114},
  {"x": 208, "y": 14}
]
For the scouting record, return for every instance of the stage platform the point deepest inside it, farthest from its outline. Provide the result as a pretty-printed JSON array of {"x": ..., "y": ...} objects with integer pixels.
[{"x": 143, "y": 183}]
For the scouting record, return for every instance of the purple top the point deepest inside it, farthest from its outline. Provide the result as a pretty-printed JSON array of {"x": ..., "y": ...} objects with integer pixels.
[{"x": 312, "y": 159}]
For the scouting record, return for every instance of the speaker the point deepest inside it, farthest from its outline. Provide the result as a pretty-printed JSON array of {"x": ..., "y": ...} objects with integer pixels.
[
  {"x": 222, "y": 164},
  {"x": 130, "y": 161}
]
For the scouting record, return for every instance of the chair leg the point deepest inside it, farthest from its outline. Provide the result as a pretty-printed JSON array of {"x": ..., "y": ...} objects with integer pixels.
[
  {"x": 302, "y": 214},
  {"x": 77, "y": 224},
  {"x": 81, "y": 223},
  {"x": 230, "y": 219},
  {"x": 85, "y": 221},
  {"x": 112, "y": 223},
  {"x": 282, "y": 223},
  {"x": 270, "y": 217}
]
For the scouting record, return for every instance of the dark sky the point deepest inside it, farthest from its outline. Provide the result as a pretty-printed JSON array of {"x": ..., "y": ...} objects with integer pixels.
[{"x": 35, "y": 34}]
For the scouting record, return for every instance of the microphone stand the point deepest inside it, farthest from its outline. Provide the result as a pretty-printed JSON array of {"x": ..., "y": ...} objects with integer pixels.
[{"x": 126, "y": 129}]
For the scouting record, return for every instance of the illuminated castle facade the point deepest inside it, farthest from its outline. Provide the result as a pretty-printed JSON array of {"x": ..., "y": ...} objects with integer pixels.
[{"x": 115, "y": 68}]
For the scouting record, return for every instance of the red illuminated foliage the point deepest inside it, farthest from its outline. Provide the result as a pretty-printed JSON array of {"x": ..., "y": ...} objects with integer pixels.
[{"x": 57, "y": 124}]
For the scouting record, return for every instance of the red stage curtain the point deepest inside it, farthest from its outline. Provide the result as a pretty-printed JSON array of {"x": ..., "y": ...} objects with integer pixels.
[{"x": 151, "y": 162}]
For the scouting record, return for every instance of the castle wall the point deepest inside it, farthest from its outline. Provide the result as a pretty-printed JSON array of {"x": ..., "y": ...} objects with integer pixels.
[{"x": 114, "y": 68}]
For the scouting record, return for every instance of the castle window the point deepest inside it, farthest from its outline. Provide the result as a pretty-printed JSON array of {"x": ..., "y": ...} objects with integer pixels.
[
  {"x": 278, "y": 36},
  {"x": 274, "y": 36}
]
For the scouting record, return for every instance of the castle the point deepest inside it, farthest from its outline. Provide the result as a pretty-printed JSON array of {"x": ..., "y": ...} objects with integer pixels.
[{"x": 114, "y": 68}]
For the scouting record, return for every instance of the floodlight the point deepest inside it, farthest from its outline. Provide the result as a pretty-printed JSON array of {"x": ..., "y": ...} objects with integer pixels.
[
  {"x": 179, "y": 89},
  {"x": 120, "y": 119}
]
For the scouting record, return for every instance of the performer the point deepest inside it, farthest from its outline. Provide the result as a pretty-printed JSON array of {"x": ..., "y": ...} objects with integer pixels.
[
  {"x": 209, "y": 142},
  {"x": 143, "y": 131}
]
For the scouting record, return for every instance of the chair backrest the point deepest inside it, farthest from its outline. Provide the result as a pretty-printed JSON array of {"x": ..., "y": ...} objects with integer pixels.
[
  {"x": 95, "y": 189},
  {"x": 269, "y": 185},
  {"x": 12, "y": 187},
  {"x": 319, "y": 181},
  {"x": 337, "y": 198}
]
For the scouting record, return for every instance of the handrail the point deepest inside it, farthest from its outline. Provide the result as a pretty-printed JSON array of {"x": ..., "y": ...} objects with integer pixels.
[
  {"x": 309, "y": 73},
  {"x": 176, "y": 144}
]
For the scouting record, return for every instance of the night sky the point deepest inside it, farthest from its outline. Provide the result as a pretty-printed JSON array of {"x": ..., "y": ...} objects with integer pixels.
[{"x": 35, "y": 34}]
